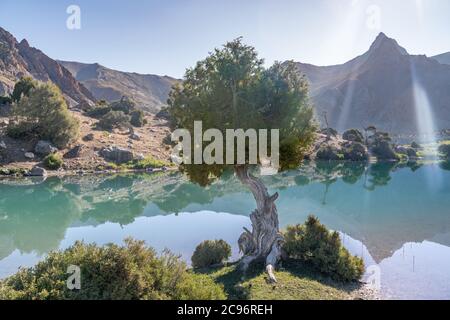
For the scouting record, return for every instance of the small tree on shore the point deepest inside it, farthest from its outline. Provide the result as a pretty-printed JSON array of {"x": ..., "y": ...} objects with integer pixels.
[
  {"x": 231, "y": 89},
  {"x": 43, "y": 112}
]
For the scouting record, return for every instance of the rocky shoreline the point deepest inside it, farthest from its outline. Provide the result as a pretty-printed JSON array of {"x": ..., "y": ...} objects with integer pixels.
[
  {"x": 94, "y": 152},
  {"x": 41, "y": 172}
]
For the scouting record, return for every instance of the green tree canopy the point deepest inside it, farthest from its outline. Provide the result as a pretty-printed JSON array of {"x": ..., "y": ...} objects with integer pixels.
[
  {"x": 44, "y": 113},
  {"x": 23, "y": 88},
  {"x": 231, "y": 89}
]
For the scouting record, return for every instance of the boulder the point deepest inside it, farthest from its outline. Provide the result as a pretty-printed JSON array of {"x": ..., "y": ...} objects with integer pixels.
[
  {"x": 37, "y": 172},
  {"x": 328, "y": 153},
  {"x": 75, "y": 152},
  {"x": 88, "y": 137},
  {"x": 117, "y": 154},
  {"x": 135, "y": 136},
  {"x": 383, "y": 151},
  {"x": 29, "y": 155},
  {"x": 355, "y": 151},
  {"x": 44, "y": 148},
  {"x": 140, "y": 156},
  {"x": 353, "y": 135}
]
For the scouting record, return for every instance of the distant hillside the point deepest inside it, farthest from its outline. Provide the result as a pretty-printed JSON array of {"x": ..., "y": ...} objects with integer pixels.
[
  {"x": 19, "y": 59},
  {"x": 381, "y": 88},
  {"x": 149, "y": 91},
  {"x": 443, "y": 58}
]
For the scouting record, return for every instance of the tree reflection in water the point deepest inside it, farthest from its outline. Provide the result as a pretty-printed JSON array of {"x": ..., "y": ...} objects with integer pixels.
[{"x": 35, "y": 216}]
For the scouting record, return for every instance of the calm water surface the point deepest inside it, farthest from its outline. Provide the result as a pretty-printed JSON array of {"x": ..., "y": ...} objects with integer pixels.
[{"x": 396, "y": 217}]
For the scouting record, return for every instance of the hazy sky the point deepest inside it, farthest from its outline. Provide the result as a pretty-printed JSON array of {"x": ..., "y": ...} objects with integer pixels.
[{"x": 167, "y": 36}]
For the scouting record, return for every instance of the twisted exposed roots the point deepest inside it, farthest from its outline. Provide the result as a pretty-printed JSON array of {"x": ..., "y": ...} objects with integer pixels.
[{"x": 264, "y": 241}]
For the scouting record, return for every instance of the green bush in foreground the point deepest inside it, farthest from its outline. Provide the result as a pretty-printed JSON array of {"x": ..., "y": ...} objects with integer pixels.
[
  {"x": 53, "y": 161},
  {"x": 210, "y": 252},
  {"x": 312, "y": 242},
  {"x": 111, "y": 272}
]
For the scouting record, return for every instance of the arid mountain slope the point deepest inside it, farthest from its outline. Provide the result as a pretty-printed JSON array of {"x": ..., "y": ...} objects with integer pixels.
[
  {"x": 385, "y": 87},
  {"x": 19, "y": 59},
  {"x": 149, "y": 91}
]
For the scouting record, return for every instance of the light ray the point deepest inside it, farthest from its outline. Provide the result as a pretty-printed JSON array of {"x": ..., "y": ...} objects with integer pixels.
[{"x": 419, "y": 8}]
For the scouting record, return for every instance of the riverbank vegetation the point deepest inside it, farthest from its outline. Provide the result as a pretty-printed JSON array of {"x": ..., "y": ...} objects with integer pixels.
[
  {"x": 312, "y": 269},
  {"x": 41, "y": 112},
  {"x": 133, "y": 271},
  {"x": 314, "y": 244},
  {"x": 123, "y": 113}
]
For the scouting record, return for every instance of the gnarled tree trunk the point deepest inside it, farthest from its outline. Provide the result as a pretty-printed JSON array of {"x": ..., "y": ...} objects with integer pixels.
[{"x": 264, "y": 241}]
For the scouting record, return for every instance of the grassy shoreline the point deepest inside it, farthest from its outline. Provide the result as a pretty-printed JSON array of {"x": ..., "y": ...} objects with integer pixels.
[{"x": 296, "y": 281}]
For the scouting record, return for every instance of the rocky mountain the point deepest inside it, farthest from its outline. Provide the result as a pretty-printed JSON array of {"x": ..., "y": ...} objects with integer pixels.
[
  {"x": 19, "y": 59},
  {"x": 385, "y": 87},
  {"x": 443, "y": 58},
  {"x": 149, "y": 91}
]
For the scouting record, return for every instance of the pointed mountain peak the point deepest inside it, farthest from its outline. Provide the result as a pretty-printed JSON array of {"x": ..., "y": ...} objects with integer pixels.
[
  {"x": 386, "y": 45},
  {"x": 24, "y": 43},
  {"x": 381, "y": 36}
]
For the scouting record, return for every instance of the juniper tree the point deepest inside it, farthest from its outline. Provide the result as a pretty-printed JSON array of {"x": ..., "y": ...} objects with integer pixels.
[
  {"x": 23, "y": 88},
  {"x": 231, "y": 89},
  {"x": 43, "y": 112}
]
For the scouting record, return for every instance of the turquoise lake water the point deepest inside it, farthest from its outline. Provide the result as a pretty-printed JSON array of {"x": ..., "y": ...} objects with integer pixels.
[{"x": 397, "y": 217}]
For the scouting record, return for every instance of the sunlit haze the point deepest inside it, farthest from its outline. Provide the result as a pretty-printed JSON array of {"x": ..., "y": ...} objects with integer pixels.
[{"x": 165, "y": 37}]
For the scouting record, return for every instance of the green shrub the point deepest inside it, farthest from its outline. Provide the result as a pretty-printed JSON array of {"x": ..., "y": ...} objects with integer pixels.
[
  {"x": 312, "y": 242},
  {"x": 138, "y": 118},
  {"x": 53, "y": 161},
  {"x": 98, "y": 111},
  {"x": 444, "y": 149},
  {"x": 5, "y": 100},
  {"x": 114, "y": 119},
  {"x": 20, "y": 130},
  {"x": 329, "y": 153},
  {"x": 353, "y": 135},
  {"x": 44, "y": 114},
  {"x": 148, "y": 162},
  {"x": 126, "y": 105},
  {"x": 111, "y": 272},
  {"x": 210, "y": 252},
  {"x": 23, "y": 88}
]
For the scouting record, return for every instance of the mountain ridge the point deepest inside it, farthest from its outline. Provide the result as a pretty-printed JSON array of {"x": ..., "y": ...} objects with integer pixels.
[
  {"x": 149, "y": 91},
  {"x": 443, "y": 58},
  {"x": 380, "y": 87},
  {"x": 19, "y": 59}
]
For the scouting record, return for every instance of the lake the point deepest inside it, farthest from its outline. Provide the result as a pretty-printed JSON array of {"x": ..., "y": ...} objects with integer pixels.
[{"x": 397, "y": 217}]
